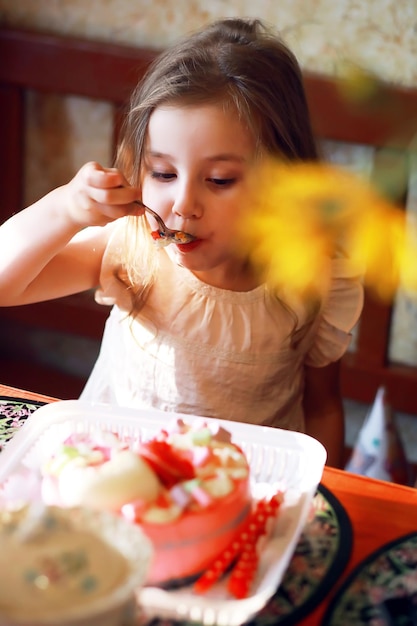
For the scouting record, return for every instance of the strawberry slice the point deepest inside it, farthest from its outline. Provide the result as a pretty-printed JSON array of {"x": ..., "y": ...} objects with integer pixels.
[{"x": 168, "y": 462}]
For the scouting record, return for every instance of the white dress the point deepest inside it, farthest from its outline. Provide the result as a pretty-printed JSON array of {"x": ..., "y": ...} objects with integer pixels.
[{"x": 200, "y": 350}]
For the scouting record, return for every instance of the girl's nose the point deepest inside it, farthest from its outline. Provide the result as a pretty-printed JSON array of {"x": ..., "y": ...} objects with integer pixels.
[{"x": 187, "y": 204}]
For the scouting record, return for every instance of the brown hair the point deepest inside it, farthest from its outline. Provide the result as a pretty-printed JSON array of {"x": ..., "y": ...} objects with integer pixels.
[{"x": 233, "y": 62}]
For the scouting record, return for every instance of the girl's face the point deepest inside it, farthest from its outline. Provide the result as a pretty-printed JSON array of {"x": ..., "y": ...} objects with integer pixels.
[{"x": 198, "y": 164}]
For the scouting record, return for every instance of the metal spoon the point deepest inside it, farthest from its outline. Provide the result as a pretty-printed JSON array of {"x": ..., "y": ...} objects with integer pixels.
[{"x": 165, "y": 235}]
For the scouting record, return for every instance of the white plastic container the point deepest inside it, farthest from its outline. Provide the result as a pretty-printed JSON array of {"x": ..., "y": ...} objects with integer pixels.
[{"x": 279, "y": 459}]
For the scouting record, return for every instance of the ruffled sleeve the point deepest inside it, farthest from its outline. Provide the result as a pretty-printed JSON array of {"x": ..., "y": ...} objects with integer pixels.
[{"x": 339, "y": 314}]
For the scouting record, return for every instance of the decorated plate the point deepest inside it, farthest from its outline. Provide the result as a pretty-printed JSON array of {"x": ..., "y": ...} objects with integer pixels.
[
  {"x": 382, "y": 590},
  {"x": 13, "y": 414}
]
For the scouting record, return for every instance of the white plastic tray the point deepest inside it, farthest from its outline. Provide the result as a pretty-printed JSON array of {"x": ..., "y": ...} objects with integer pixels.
[{"x": 278, "y": 459}]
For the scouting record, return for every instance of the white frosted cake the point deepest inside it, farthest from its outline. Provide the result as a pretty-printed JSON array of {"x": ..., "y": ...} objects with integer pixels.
[{"x": 187, "y": 488}]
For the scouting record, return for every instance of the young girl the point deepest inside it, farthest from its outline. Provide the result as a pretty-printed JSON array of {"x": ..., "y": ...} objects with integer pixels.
[{"x": 192, "y": 328}]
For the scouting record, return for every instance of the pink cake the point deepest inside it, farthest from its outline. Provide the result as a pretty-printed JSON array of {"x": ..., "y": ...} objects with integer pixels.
[{"x": 188, "y": 488}]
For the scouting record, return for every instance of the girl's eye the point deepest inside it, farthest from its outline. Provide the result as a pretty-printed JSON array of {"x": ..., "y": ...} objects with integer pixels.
[
  {"x": 222, "y": 182},
  {"x": 162, "y": 175}
]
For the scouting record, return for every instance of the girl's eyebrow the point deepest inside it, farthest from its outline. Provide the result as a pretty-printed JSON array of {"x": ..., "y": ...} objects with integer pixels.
[
  {"x": 228, "y": 157},
  {"x": 215, "y": 157}
]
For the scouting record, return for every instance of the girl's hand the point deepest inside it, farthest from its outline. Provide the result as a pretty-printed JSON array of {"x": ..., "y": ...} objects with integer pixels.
[{"x": 98, "y": 195}]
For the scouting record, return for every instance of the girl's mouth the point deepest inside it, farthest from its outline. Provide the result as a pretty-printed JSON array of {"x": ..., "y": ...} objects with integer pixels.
[{"x": 189, "y": 247}]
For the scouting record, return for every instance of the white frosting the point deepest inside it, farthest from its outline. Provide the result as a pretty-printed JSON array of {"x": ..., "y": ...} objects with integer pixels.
[{"x": 123, "y": 478}]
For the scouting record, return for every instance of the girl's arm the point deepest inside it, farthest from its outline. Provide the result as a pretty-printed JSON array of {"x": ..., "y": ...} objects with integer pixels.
[
  {"x": 324, "y": 413},
  {"x": 55, "y": 247}
]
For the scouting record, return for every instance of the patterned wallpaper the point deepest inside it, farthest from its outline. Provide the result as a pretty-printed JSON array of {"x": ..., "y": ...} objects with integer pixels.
[{"x": 378, "y": 35}]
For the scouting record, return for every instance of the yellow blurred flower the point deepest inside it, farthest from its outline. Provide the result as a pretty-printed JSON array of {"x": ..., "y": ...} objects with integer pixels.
[{"x": 303, "y": 214}]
